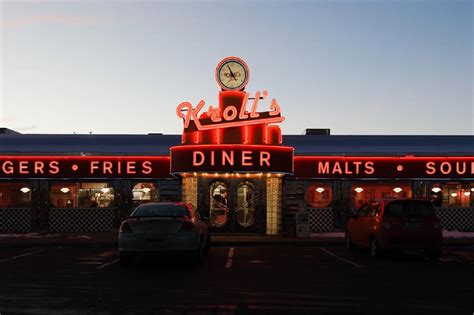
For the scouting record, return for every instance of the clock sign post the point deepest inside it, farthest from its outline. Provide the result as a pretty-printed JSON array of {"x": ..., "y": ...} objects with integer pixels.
[
  {"x": 236, "y": 121},
  {"x": 232, "y": 74}
]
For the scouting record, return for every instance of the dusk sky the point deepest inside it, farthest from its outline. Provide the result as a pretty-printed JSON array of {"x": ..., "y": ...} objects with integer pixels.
[{"x": 356, "y": 67}]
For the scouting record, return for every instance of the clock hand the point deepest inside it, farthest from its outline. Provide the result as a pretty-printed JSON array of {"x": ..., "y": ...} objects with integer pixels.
[{"x": 231, "y": 73}]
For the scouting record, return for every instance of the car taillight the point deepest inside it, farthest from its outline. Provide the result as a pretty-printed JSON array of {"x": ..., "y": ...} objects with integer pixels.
[
  {"x": 125, "y": 228},
  {"x": 386, "y": 225},
  {"x": 187, "y": 226}
]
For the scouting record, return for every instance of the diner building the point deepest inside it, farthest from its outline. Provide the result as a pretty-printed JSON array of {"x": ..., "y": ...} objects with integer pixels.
[
  {"x": 233, "y": 164},
  {"x": 327, "y": 177}
]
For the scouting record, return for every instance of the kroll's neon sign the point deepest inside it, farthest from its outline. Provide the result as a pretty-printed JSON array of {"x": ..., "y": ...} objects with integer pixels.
[{"x": 230, "y": 116}]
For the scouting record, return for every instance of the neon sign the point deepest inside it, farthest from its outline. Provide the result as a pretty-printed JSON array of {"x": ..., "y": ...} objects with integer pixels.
[
  {"x": 230, "y": 115},
  {"x": 384, "y": 167},
  {"x": 233, "y": 158},
  {"x": 85, "y": 167}
]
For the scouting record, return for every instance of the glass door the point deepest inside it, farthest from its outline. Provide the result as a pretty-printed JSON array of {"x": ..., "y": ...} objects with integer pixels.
[
  {"x": 245, "y": 209},
  {"x": 232, "y": 205}
]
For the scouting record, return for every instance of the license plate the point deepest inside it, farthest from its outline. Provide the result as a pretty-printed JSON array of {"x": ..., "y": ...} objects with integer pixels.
[
  {"x": 411, "y": 225},
  {"x": 155, "y": 240}
]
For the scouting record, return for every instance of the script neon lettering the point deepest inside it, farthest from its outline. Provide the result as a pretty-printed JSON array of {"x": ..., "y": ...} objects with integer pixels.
[{"x": 230, "y": 116}]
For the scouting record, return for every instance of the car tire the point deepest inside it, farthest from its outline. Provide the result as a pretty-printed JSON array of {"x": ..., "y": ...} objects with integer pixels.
[
  {"x": 207, "y": 248},
  {"x": 126, "y": 261},
  {"x": 348, "y": 241},
  {"x": 374, "y": 248},
  {"x": 433, "y": 255}
]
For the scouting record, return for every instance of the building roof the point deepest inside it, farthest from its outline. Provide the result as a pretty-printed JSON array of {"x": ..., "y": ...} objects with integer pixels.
[{"x": 158, "y": 144}]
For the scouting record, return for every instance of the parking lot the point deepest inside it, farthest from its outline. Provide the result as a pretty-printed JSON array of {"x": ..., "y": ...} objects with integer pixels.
[{"x": 236, "y": 280}]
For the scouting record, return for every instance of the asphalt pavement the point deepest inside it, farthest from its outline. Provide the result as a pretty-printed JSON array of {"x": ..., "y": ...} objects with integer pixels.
[{"x": 270, "y": 279}]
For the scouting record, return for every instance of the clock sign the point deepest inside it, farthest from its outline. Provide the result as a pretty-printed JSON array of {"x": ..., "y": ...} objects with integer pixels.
[{"x": 232, "y": 74}]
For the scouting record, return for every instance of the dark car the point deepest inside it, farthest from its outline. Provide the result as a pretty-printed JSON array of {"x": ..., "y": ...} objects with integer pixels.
[
  {"x": 164, "y": 227},
  {"x": 395, "y": 224}
]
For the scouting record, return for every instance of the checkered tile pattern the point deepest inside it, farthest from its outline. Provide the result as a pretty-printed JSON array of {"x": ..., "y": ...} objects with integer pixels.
[
  {"x": 321, "y": 220},
  {"x": 16, "y": 220},
  {"x": 81, "y": 220},
  {"x": 456, "y": 219}
]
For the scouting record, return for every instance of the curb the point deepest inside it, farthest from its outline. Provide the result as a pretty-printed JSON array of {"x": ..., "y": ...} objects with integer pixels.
[{"x": 220, "y": 242}]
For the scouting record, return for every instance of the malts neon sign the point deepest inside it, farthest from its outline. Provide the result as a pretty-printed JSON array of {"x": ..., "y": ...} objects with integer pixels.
[
  {"x": 84, "y": 167},
  {"x": 230, "y": 116},
  {"x": 384, "y": 167}
]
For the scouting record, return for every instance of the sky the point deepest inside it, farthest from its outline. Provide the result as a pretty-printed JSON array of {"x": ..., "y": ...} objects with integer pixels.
[{"x": 356, "y": 67}]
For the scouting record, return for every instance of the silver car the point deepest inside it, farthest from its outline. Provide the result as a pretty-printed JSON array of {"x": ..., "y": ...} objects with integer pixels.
[{"x": 163, "y": 227}]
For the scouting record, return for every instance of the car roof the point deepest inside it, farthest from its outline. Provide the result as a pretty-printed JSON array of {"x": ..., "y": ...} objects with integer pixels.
[
  {"x": 176, "y": 203},
  {"x": 387, "y": 200}
]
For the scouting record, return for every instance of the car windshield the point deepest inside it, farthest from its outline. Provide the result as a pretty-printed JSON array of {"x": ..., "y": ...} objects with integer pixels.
[
  {"x": 409, "y": 209},
  {"x": 161, "y": 210}
]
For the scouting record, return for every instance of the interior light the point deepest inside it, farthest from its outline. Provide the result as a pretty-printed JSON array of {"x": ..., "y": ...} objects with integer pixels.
[
  {"x": 467, "y": 193},
  {"x": 105, "y": 190},
  {"x": 472, "y": 189},
  {"x": 25, "y": 190},
  {"x": 359, "y": 190},
  {"x": 195, "y": 174},
  {"x": 436, "y": 190},
  {"x": 454, "y": 194},
  {"x": 65, "y": 190},
  {"x": 320, "y": 189},
  {"x": 397, "y": 190},
  {"x": 146, "y": 190}
]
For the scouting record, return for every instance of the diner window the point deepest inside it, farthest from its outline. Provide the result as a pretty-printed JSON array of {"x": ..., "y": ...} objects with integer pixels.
[
  {"x": 318, "y": 195},
  {"x": 15, "y": 195},
  {"x": 363, "y": 192},
  {"x": 143, "y": 193},
  {"x": 82, "y": 195},
  {"x": 454, "y": 194}
]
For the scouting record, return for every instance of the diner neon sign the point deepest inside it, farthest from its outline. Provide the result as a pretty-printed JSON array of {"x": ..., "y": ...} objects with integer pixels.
[
  {"x": 232, "y": 158},
  {"x": 230, "y": 116}
]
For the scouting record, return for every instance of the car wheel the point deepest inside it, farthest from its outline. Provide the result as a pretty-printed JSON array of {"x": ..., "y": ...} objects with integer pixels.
[
  {"x": 207, "y": 248},
  {"x": 374, "y": 249},
  {"x": 433, "y": 255},
  {"x": 347, "y": 241},
  {"x": 126, "y": 260}
]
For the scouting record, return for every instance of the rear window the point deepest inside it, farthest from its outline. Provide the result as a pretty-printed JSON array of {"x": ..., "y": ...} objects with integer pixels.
[
  {"x": 161, "y": 210},
  {"x": 409, "y": 209}
]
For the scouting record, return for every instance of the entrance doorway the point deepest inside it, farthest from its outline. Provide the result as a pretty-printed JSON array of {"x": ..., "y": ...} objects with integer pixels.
[{"x": 234, "y": 205}]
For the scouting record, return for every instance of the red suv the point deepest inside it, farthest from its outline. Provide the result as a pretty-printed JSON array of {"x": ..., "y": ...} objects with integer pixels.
[{"x": 395, "y": 224}]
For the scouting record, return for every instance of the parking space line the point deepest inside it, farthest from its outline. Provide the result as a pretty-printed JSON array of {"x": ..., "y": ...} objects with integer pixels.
[
  {"x": 341, "y": 259},
  {"x": 22, "y": 255},
  {"x": 108, "y": 264},
  {"x": 230, "y": 257}
]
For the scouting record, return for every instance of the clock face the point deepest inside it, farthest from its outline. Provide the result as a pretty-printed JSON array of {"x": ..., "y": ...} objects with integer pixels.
[{"x": 232, "y": 74}]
